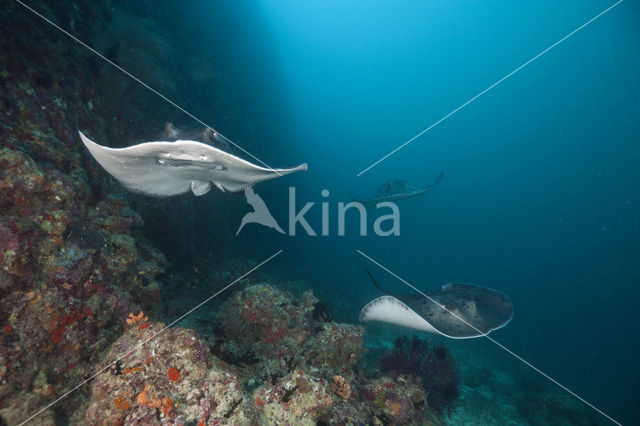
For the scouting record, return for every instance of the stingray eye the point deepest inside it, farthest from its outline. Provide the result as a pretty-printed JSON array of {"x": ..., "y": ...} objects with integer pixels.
[{"x": 220, "y": 168}]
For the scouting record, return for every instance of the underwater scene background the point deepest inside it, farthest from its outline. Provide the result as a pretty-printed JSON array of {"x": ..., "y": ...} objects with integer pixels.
[{"x": 539, "y": 200}]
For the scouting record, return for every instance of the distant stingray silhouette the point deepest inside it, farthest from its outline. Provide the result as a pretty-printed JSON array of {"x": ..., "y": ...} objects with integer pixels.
[{"x": 260, "y": 213}]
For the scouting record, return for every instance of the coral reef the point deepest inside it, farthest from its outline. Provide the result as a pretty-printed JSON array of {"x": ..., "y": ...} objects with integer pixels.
[
  {"x": 398, "y": 401},
  {"x": 76, "y": 271},
  {"x": 341, "y": 388},
  {"x": 70, "y": 274},
  {"x": 306, "y": 370},
  {"x": 170, "y": 379},
  {"x": 295, "y": 399},
  {"x": 22, "y": 407},
  {"x": 433, "y": 364},
  {"x": 338, "y": 348},
  {"x": 262, "y": 324},
  {"x": 72, "y": 259}
]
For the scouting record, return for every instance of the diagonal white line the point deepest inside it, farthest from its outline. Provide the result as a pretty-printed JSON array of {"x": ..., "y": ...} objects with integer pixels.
[
  {"x": 489, "y": 88},
  {"x": 500, "y": 345},
  {"x": 150, "y": 338},
  {"x": 62, "y": 30}
]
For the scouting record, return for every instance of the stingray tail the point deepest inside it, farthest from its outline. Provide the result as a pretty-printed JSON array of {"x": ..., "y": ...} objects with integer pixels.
[
  {"x": 438, "y": 179},
  {"x": 374, "y": 281}
]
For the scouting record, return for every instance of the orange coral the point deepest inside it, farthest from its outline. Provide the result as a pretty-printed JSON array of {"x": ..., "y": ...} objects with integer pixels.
[
  {"x": 129, "y": 370},
  {"x": 395, "y": 408},
  {"x": 259, "y": 402},
  {"x": 143, "y": 326},
  {"x": 341, "y": 388},
  {"x": 155, "y": 402},
  {"x": 142, "y": 397},
  {"x": 134, "y": 319},
  {"x": 167, "y": 405},
  {"x": 121, "y": 403},
  {"x": 145, "y": 399},
  {"x": 174, "y": 374}
]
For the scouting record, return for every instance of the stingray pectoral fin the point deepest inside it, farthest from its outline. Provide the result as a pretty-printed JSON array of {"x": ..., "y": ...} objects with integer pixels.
[
  {"x": 391, "y": 310},
  {"x": 280, "y": 172},
  {"x": 252, "y": 174},
  {"x": 199, "y": 187},
  {"x": 301, "y": 168},
  {"x": 136, "y": 170}
]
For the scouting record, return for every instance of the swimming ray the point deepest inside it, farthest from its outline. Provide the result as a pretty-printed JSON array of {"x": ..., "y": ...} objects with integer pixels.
[
  {"x": 397, "y": 190},
  {"x": 458, "y": 311},
  {"x": 163, "y": 169}
]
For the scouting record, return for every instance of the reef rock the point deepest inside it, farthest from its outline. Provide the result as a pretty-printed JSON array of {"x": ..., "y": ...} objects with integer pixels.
[
  {"x": 170, "y": 379},
  {"x": 337, "y": 348},
  {"x": 264, "y": 321},
  {"x": 21, "y": 407},
  {"x": 297, "y": 399},
  {"x": 399, "y": 401},
  {"x": 64, "y": 300},
  {"x": 265, "y": 327}
]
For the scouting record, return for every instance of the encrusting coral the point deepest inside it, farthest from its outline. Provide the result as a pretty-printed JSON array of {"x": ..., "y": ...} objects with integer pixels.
[
  {"x": 171, "y": 379},
  {"x": 265, "y": 325},
  {"x": 341, "y": 388},
  {"x": 67, "y": 290},
  {"x": 401, "y": 400}
]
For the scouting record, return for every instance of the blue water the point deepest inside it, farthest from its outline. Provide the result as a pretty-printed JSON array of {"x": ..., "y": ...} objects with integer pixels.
[{"x": 541, "y": 196}]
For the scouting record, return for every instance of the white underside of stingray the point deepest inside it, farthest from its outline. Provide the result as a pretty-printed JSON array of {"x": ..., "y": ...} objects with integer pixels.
[
  {"x": 163, "y": 169},
  {"x": 393, "y": 311},
  {"x": 462, "y": 319},
  {"x": 455, "y": 310}
]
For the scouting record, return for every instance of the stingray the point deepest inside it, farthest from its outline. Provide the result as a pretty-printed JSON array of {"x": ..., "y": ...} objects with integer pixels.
[
  {"x": 163, "y": 169},
  {"x": 458, "y": 311},
  {"x": 207, "y": 135},
  {"x": 399, "y": 189}
]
